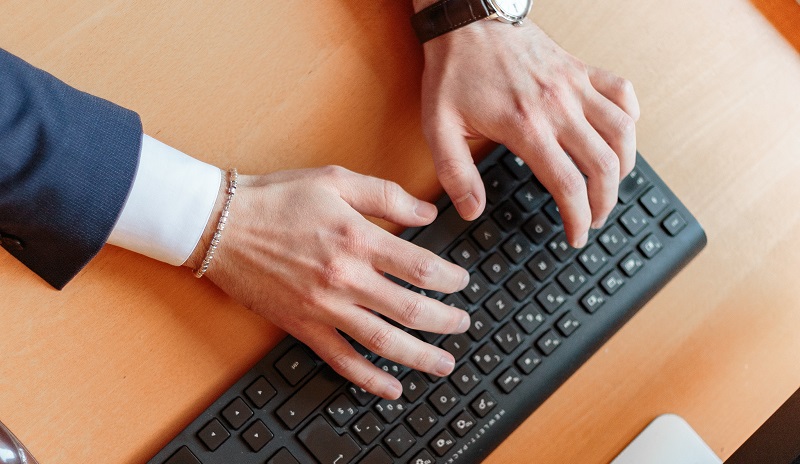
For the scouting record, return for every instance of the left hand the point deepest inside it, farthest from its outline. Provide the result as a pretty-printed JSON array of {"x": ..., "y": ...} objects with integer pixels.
[{"x": 515, "y": 86}]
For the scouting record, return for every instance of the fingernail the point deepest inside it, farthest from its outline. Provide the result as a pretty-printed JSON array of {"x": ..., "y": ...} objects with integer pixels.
[
  {"x": 597, "y": 224},
  {"x": 467, "y": 205},
  {"x": 464, "y": 281},
  {"x": 445, "y": 366},
  {"x": 425, "y": 210},
  {"x": 464, "y": 324},
  {"x": 582, "y": 240},
  {"x": 393, "y": 390}
]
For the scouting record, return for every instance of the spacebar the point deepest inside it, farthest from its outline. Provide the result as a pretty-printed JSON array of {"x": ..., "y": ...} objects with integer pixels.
[
  {"x": 441, "y": 233},
  {"x": 308, "y": 398}
]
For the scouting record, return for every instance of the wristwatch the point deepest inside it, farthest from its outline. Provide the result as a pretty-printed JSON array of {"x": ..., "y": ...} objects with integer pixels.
[{"x": 447, "y": 15}]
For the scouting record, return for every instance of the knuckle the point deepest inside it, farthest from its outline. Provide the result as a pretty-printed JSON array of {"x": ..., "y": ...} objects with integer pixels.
[
  {"x": 607, "y": 164},
  {"x": 334, "y": 172},
  {"x": 412, "y": 312},
  {"x": 423, "y": 359},
  {"x": 570, "y": 183},
  {"x": 381, "y": 340},
  {"x": 391, "y": 195},
  {"x": 341, "y": 362},
  {"x": 425, "y": 269},
  {"x": 625, "y": 126},
  {"x": 335, "y": 274},
  {"x": 450, "y": 170},
  {"x": 371, "y": 382},
  {"x": 352, "y": 238},
  {"x": 624, "y": 87}
]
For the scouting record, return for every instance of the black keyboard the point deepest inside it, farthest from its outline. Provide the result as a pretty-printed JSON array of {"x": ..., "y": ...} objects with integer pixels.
[{"x": 539, "y": 308}]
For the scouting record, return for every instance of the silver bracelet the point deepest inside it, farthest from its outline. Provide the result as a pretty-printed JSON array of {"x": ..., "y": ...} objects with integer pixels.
[{"x": 223, "y": 219}]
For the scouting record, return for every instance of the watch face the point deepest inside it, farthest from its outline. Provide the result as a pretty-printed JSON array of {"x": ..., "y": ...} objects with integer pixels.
[{"x": 512, "y": 9}]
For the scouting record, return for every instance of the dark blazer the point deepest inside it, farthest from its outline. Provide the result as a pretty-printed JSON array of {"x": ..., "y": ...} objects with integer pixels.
[{"x": 67, "y": 162}]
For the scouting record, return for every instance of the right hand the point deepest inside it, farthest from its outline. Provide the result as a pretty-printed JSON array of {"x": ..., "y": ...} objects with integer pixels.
[{"x": 296, "y": 251}]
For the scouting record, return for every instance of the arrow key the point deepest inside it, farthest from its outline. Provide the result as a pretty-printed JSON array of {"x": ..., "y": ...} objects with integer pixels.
[
  {"x": 237, "y": 413},
  {"x": 213, "y": 434},
  {"x": 257, "y": 435}
]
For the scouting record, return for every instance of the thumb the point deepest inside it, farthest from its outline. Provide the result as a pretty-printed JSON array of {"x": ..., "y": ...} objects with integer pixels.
[{"x": 456, "y": 170}]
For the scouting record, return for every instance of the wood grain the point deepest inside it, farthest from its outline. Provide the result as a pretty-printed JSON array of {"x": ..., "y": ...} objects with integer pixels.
[{"x": 109, "y": 369}]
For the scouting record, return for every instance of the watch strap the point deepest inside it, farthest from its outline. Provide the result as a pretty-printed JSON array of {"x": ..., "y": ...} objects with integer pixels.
[{"x": 447, "y": 15}]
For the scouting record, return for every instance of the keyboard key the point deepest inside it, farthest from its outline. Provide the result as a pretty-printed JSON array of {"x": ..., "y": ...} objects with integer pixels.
[
  {"x": 529, "y": 197},
  {"x": 495, "y": 268},
  {"x": 572, "y": 278},
  {"x": 260, "y": 392},
  {"x": 456, "y": 301},
  {"x": 457, "y": 345},
  {"x": 528, "y": 361},
  {"x": 508, "y": 380},
  {"x": 341, "y": 410},
  {"x": 674, "y": 223},
  {"x": 520, "y": 285},
  {"x": 183, "y": 456},
  {"x": 257, "y": 436},
  {"x": 508, "y": 216},
  {"x": 613, "y": 240},
  {"x": 559, "y": 246},
  {"x": 326, "y": 445},
  {"x": 310, "y": 397},
  {"x": 480, "y": 325},
  {"x": 213, "y": 435},
  {"x": 516, "y": 166},
  {"x": 650, "y": 246},
  {"x": 498, "y": 183},
  {"x": 465, "y": 378},
  {"x": 391, "y": 367},
  {"x": 423, "y": 457},
  {"x": 593, "y": 300},
  {"x": 542, "y": 265},
  {"x": 631, "y": 185},
  {"x": 429, "y": 293},
  {"x": 421, "y": 419},
  {"x": 437, "y": 236},
  {"x": 443, "y": 398},
  {"x": 360, "y": 395},
  {"x": 548, "y": 342},
  {"x": 631, "y": 263},
  {"x": 634, "y": 220},
  {"x": 551, "y": 209},
  {"x": 399, "y": 440},
  {"x": 464, "y": 254},
  {"x": 551, "y": 297},
  {"x": 487, "y": 358},
  {"x": 390, "y": 410},
  {"x": 476, "y": 289},
  {"x": 295, "y": 365},
  {"x": 376, "y": 455},
  {"x": 612, "y": 282},
  {"x": 487, "y": 235},
  {"x": 462, "y": 423},
  {"x": 539, "y": 228},
  {"x": 568, "y": 324},
  {"x": 518, "y": 248},
  {"x": 442, "y": 443},
  {"x": 283, "y": 457},
  {"x": 367, "y": 428},
  {"x": 654, "y": 201},
  {"x": 414, "y": 386},
  {"x": 508, "y": 338},
  {"x": 593, "y": 258},
  {"x": 498, "y": 305},
  {"x": 529, "y": 318},
  {"x": 237, "y": 413},
  {"x": 483, "y": 404}
]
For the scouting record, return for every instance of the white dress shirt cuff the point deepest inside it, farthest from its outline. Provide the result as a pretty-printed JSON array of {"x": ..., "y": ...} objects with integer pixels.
[{"x": 169, "y": 205}]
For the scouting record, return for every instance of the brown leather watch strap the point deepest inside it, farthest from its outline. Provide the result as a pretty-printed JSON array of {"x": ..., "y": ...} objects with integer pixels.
[{"x": 447, "y": 15}]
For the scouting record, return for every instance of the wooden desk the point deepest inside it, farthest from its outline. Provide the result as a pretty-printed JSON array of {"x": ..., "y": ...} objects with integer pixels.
[{"x": 112, "y": 367}]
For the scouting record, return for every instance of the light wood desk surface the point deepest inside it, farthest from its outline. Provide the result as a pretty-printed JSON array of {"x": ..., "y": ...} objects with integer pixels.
[{"x": 108, "y": 370}]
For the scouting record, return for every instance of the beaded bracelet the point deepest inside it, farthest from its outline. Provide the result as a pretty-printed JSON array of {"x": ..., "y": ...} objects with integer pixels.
[{"x": 223, "y": 219}]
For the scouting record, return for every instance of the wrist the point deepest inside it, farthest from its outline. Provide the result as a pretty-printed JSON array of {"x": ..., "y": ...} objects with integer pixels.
[
  {"x": 422, "y": 4},
  {"x": 199, "y": 252}
]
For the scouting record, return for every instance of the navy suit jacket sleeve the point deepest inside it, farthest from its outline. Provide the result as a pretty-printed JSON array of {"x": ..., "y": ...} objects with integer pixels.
[{"x": 67, "y": 163}]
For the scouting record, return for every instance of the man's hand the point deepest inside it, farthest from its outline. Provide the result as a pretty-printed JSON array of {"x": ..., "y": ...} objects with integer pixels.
[
  {"x": 515, "y": 86},
  {"x": 296, "y": 251}
]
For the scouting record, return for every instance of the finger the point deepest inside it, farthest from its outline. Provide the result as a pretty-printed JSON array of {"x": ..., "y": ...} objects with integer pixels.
[
  {"x": 615, "y": 88},
  {"x": 412, "y": 309},
  {"x": 598, "y": 162},
  {"x": 416, "y": 265},
  {"x": 616, "y": 127},
  {"x": 381, "y": 198},
  {"x": 390, "y": 342},
  {"x": 559, "y": 175},
  {"x": 347, "y": 362},
  {"x": 456, "y": 170}
]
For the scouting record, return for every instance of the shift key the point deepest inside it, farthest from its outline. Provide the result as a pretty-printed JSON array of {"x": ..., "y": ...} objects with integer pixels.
[{"x": 310, "y": 397}]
